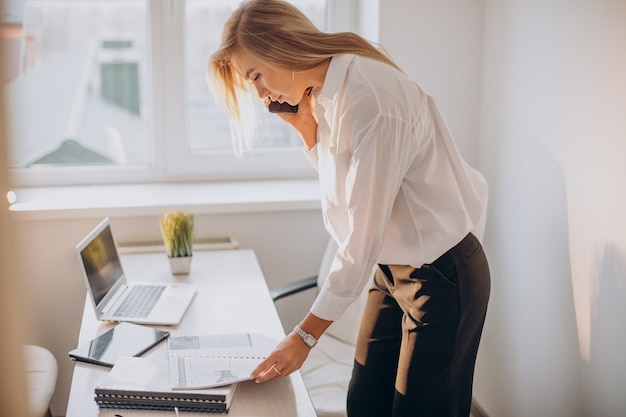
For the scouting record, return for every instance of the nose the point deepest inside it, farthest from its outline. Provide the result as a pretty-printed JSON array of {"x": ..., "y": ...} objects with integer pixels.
[{"x": 261, "y": 91}]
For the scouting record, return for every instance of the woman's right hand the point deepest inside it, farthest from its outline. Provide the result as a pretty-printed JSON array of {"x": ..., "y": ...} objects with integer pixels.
[{"x": 304, "y": 121}]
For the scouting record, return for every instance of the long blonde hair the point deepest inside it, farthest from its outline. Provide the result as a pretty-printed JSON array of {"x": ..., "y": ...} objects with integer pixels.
[{"x": 279, "y": 34}]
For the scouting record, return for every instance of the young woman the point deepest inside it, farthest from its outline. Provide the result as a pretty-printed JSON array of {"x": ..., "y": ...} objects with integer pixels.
[{"x": 396, "y": 197}]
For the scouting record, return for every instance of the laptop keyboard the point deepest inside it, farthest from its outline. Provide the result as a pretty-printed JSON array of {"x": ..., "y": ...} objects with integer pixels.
[{"x": 140, "y": 301}]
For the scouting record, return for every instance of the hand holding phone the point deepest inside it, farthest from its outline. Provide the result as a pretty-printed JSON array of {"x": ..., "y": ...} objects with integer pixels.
[{"x": 304, "y": 121}]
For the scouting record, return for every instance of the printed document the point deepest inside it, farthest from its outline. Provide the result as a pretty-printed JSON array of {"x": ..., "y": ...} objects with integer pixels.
[{"x": 208, "y": 361}]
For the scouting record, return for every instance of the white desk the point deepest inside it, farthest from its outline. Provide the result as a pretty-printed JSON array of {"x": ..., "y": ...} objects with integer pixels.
[{"x": 232, "y": 297}]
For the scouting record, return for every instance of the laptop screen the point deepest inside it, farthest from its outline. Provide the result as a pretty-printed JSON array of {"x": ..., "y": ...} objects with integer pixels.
[{"x": 101, "y": 262}]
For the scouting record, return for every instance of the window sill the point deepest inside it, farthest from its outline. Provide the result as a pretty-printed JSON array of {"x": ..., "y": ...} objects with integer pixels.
[{"x": 153, "y": 199}]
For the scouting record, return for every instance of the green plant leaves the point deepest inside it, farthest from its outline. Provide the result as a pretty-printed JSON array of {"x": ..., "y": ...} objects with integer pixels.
[{"x": 177, "y": 232}]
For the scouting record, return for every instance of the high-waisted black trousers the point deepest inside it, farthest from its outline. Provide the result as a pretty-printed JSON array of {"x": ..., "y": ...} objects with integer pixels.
[{"x": 419, "y": 337}]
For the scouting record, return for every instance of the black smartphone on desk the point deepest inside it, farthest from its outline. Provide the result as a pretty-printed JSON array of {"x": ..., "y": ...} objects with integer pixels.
[
  {"x": 276, "y": 107},
  {"x": 125, "y": 339}
]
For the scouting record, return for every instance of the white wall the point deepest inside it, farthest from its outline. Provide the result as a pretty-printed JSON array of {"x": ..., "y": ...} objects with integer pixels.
[
  {"x": 438, "y": 44},
  {"x": 535, "y": 93},
  {"x": 552, "y": 142}
]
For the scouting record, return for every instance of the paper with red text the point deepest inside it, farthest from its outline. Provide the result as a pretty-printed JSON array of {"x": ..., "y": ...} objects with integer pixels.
[{"x": 208, "y": 361}]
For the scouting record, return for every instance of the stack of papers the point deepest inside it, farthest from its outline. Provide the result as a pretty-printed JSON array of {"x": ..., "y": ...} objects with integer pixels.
[{"x": 200, "y": 375}]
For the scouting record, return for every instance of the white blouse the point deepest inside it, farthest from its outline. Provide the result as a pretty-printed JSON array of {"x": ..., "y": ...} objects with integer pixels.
[{"x": 394, "y": 187}]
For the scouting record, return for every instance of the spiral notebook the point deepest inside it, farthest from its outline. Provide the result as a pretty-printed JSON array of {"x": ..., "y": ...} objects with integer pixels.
[{"x": 143, "y": 384}]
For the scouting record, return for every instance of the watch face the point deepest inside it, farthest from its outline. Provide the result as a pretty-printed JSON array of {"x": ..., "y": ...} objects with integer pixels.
[
  {"x": 310, "y": 340},
  {"x": 307, "y": 338}
]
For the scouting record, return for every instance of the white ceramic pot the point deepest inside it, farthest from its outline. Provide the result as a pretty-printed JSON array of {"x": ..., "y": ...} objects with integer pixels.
[{"x": 180, "y": 265}]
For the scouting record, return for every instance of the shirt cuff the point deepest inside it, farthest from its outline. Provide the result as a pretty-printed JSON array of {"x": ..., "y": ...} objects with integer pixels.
[
  {"x": 311, "y": 155},
  {"x": 329, "y": 306}
]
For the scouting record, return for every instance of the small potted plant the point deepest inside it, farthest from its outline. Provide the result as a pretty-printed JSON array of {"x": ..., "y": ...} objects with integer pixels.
[{"x": 177, "y": 232}]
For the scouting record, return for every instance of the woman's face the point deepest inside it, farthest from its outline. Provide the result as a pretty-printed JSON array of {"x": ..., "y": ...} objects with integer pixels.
[{"x": 271, "y": 82}]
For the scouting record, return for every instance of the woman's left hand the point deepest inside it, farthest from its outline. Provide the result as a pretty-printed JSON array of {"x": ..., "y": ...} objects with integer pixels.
[{"x": 287, "y": 358}]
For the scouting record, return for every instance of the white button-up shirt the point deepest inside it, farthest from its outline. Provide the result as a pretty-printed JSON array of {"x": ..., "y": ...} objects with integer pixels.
[{"x": 394, "y": 187}]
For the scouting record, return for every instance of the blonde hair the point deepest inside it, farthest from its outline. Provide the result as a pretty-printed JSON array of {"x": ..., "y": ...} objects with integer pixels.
[{"x": 277, "y": 33}]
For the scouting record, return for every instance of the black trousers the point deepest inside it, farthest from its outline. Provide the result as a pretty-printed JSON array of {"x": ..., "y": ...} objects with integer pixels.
[{"x": 419, "y": 337}]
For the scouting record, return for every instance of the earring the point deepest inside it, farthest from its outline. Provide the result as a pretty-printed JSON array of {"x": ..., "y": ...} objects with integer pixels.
[{"x": 293, "y": 75}]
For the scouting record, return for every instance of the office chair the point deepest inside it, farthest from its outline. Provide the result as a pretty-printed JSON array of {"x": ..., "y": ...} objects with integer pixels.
[
  {"x": 328, "y": 369},
  {"x": 41, "y": 377}
]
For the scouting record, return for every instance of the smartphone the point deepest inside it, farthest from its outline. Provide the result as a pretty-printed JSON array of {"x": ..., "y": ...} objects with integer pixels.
[{"x": 276, "y": 107}]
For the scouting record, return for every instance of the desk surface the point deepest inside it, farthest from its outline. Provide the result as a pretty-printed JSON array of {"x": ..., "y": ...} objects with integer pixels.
[{"x": 232, "y": 297}]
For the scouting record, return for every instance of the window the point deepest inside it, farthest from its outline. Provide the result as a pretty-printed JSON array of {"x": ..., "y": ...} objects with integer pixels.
[
  {"x": 78, "y": 91},
  {"x": 115, "y": 91}
]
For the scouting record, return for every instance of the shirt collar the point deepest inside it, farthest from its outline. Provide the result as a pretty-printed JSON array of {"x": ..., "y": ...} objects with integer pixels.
[{"x": 335, "y": 77}]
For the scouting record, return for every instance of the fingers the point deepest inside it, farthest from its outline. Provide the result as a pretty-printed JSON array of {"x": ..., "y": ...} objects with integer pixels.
[
  {"x": 286, "y": 359},
  {"x": 269, "y": 370},
  {"x": 305, "y": 102},
  {"x": 272, "y": 372}
]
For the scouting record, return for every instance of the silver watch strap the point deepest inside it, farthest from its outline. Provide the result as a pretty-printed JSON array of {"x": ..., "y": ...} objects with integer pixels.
[{"x": 308, "y": 338}]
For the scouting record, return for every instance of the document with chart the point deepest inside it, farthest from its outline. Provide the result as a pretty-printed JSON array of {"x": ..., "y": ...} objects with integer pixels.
[{"x": 208, "y": 361}]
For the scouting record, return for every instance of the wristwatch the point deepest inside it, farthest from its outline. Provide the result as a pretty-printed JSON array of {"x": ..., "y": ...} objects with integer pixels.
[{"x": 307, "y": 337}]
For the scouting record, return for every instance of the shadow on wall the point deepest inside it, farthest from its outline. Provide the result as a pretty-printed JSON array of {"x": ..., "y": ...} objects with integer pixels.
[
  {"x": 607, "y": 365},
  {"x": 529, "y": 360}
]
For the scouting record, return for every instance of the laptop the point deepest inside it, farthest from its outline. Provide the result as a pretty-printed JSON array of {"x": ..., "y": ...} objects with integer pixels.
[{"x": 116, "y": 299}]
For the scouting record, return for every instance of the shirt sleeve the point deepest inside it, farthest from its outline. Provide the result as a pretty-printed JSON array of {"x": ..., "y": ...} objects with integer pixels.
[{"x": 381, "y": 152}]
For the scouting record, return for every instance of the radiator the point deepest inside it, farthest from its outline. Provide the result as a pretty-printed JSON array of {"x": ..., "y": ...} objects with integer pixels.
[{"x": 200, "y": 244}]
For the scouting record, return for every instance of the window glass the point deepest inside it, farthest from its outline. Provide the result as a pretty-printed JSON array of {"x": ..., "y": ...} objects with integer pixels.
[
  {"x": 88, "y": 84},
  {"x": 77, "y": 84}
]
